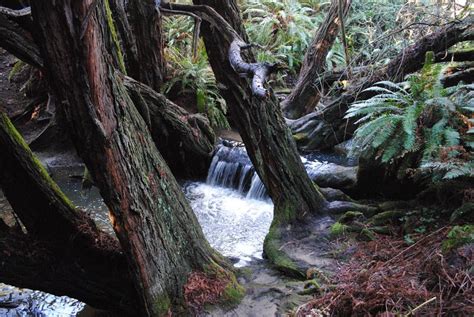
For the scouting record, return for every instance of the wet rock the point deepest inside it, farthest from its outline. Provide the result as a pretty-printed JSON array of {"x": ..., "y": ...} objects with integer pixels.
[
  {"x": 344, "y": 149},
  {"x": 386, "y": 217},
  {"x": 333, "y": 175},
  {"x": 332, "y": 194},
  {"x": 351, "y": 216}
]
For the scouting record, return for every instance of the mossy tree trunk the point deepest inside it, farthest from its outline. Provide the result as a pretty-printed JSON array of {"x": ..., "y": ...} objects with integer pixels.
[
  {"x": 158, "y": 231},
  {"x": 185, "y": 140},
  {"x": 62, "y": 251}
]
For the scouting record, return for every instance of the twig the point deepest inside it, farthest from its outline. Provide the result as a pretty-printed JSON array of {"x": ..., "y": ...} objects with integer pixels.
[
  {"x": 421, "y": 305},
  {"x": 413, "y": 245}
]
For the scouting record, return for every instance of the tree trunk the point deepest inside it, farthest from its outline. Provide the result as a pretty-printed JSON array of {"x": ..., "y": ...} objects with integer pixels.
[
  {"x": 185, "y": 140},
  {"x": 267, "y": 138},
  {"x": 306, "y": 94},
  {"x": 18, "y": 41},
  {"x": 62, "y": 252},
  {"x": 158, "y": 232},
  {"x": 327, "y": 127},
  {"x": 145, "y": 22}
]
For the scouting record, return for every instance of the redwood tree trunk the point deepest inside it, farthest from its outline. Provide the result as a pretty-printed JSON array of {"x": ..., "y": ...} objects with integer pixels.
[
  {"x": 62, "y": 252},
  {"x": 158, "y": 231},
  {"x": 306, "y": 94},
  {"x": 185, "y": 140},
  {"x": 145, "y": 22}
]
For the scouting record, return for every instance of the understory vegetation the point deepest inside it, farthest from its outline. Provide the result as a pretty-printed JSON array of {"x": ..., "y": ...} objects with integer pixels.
[{"x": 420, "y": 124}]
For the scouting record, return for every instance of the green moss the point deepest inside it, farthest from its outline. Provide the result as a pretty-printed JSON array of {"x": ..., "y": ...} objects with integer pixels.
[
  {"x": 367, "y": 235},
  {"x": 233, "y": 293},
  {"x": 338, "y": 229},
  {"x": 162, "y": 305},
  {"x": 37, "y": 165},
  {"x": 115, "y": 38},
  {"x": 285, "y": 214},
  {"x": 459, "y": 236},
  {"x": 387, "y": 216},
  {"x": 350, "y": 216},
  {"x": 299, "y": 136},
  {"x": 16, "y": 69},
  {"x": 277, "y": 257}
]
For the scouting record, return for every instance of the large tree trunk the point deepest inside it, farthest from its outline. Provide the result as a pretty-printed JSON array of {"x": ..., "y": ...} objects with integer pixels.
[
  {"x": 327, "y": 127},
  {"x": 158, "y": 232},
  {"x": 306, "y": 94},
  {"x": 145, "y": 22},
  {"x": 62, "y": 251},
  {"x": 185, "y": 140},
  {"x": 260, "y": 123}
]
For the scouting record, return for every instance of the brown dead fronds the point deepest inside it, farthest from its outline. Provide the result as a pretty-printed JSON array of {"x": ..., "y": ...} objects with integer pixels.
[{"x": 387, "y": 277}]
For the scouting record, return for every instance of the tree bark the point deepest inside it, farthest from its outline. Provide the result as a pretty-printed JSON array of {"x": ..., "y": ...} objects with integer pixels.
[
  {"x": 158, "y": 231},
  {"x": 185, "y": 140},
  {"x": 62, "y": 252},
  {"x": 327, "y": 127},
  {"x": 145, "y": 22},
  {"x": 19, "y": 42},
  {"x": 306, "y": 94}
]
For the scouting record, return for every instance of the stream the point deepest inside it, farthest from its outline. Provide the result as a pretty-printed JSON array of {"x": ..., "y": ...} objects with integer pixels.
[{"x": 232, "y": 207}]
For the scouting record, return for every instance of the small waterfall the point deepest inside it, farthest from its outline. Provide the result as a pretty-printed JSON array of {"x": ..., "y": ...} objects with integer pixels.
[
  {"x": 257, "y": 189},
  {"x": 231, "y": 168}
]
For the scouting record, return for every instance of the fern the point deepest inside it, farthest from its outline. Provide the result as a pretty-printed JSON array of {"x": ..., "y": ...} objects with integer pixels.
[{"x": 417, "y": 116}]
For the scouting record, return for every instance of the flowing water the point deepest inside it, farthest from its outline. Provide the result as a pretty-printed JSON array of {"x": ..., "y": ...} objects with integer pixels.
[{"x": 232, "y": 207}]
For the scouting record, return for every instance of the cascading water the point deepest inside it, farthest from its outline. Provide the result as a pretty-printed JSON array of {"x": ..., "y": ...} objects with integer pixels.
[{"x": 232, "y": 168}]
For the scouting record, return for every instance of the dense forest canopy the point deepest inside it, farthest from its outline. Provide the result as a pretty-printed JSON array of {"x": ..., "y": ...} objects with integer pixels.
[{"x": 352, "y": 120}]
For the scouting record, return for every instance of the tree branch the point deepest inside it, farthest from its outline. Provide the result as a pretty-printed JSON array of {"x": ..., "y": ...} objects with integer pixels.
[
  {"x": 15, "y": 13},
  {"x": 18, "y": 41}
]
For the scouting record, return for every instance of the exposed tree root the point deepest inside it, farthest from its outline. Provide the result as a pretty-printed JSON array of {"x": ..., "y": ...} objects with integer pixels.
[{"x": 281, "y": 235}]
